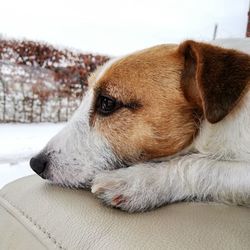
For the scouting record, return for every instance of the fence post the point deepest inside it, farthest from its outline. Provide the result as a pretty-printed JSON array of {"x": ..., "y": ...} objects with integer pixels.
[{"x": 4, "y": 97}]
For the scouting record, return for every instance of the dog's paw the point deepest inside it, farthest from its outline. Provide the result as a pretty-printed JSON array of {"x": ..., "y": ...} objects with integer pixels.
[
  {"x": 128, "y": 189},
  {"x": 112, "y": 190}
]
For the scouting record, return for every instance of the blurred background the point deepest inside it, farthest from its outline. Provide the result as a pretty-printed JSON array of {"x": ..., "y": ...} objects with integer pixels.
[
  {"x": 115, "y": 27},
  {"x": 49, "y": 48}
]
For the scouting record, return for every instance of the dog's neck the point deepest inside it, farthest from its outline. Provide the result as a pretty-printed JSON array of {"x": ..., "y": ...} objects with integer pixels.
[{"x": 228, "y": 139}]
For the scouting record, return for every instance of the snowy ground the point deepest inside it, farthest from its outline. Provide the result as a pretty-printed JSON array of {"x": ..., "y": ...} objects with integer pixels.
[{"x": 18, "y": 142}]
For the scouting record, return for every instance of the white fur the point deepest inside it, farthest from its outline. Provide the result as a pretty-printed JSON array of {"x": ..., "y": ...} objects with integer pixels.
[
  {"x": 228, "y": 139},
  {"x": 78, "y": 152},
  {"x": 217, "y": 167}
]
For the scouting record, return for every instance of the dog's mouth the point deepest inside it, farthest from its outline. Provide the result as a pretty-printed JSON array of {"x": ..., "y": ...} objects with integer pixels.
[
  {"x": 82, "y": 185},
  {"x": 85, "y": 185},
  {"x": 73, "y": 184}
]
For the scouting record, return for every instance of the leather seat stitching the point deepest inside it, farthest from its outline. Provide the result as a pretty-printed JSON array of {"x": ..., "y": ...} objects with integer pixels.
[{"x": 38, "y": 226}]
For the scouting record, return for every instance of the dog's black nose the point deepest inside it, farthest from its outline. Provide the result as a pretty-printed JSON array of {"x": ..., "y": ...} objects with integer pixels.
[{"x": 39, "y": 164}]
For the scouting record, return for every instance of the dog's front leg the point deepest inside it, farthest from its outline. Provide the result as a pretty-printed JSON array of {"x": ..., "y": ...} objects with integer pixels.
[{"x": 146, "y": 186}]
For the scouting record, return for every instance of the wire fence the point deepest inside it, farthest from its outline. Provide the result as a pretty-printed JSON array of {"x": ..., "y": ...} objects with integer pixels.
[{"x": 39, "y": 83}]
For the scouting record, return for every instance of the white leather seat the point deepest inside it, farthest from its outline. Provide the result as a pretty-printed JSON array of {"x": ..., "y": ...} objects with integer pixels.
[{"x": 37, "y": 215}]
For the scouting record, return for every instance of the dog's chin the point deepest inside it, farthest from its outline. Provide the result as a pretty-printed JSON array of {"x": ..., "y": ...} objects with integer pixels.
[
  {"x": 84, "y": 186},
  {"x": 73, "y": 184}
]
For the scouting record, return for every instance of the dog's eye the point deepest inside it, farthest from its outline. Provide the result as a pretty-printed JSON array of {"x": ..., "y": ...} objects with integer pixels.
[{"x": 107, "y": 105}]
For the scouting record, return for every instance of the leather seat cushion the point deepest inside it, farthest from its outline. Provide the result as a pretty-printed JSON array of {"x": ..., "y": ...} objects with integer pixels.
[{"x": 37, "y": 215}]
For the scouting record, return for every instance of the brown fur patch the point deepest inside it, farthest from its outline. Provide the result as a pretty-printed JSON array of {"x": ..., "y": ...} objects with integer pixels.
[
  {"x": 213, "y": 78},
  {"x": 163, "y": 124}
]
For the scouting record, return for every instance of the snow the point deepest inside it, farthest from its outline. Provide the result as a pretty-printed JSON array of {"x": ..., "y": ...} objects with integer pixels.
[{"x": 18, "y": 143}]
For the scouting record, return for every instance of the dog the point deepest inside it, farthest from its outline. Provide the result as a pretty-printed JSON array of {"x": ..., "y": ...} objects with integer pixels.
[{"x": 166, "y": 124}]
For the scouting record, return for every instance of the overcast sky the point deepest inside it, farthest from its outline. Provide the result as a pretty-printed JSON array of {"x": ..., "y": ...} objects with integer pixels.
[{"x": 117, "y": 27}]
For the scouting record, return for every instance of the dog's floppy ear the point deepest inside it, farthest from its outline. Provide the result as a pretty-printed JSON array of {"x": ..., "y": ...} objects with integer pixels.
[{"x": 214, "y": 78}]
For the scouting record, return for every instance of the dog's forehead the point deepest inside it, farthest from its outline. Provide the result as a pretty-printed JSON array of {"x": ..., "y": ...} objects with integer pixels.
[{"x": 133, "y": 72}]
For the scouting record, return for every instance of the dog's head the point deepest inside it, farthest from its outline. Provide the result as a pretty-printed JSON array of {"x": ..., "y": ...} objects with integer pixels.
[{"x": 144, "y": 106}]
